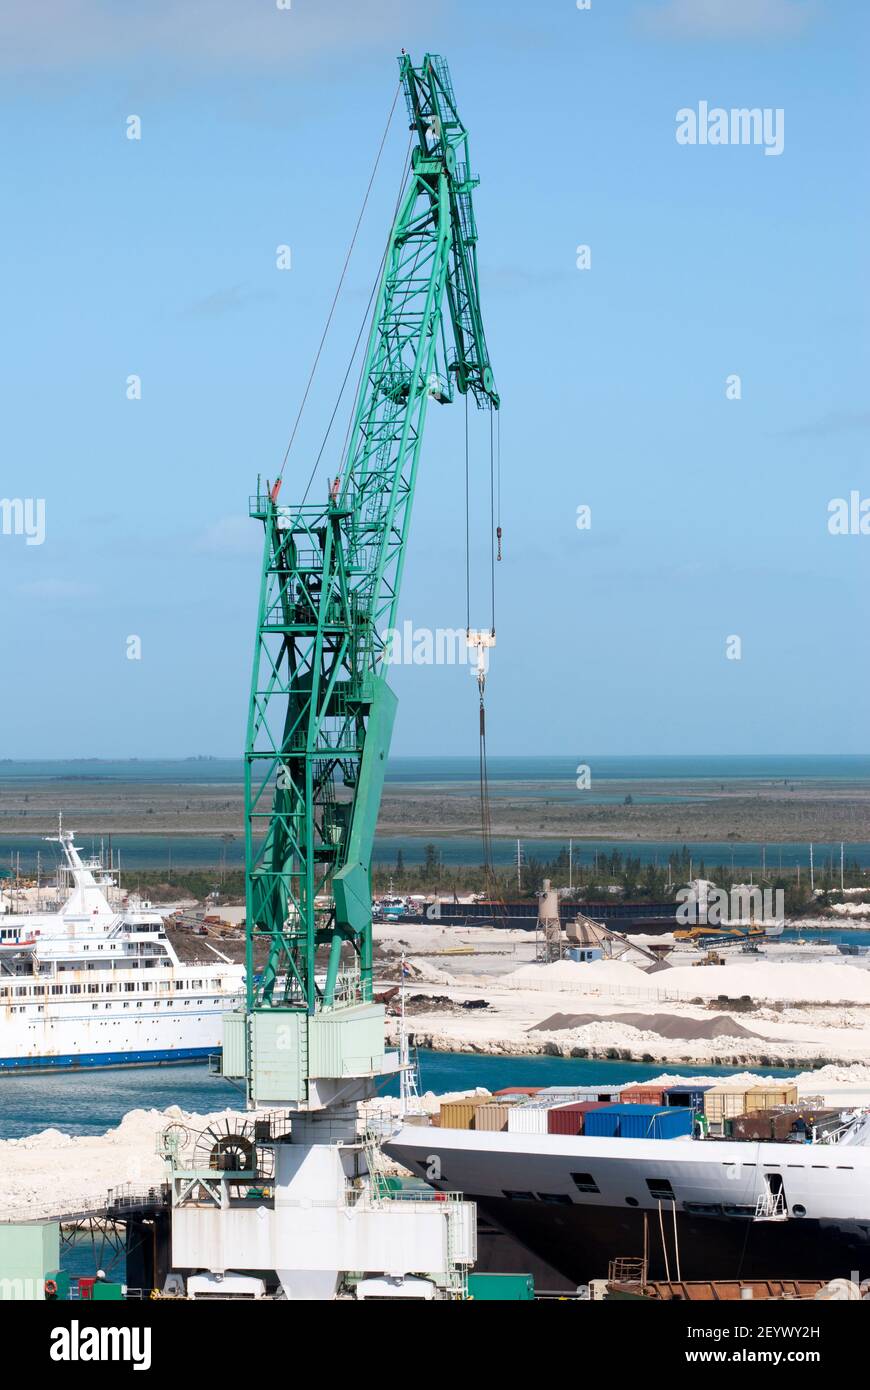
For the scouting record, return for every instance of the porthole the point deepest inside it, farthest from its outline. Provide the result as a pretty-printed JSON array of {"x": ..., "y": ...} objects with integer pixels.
[{"x": 798, "y": 1210}]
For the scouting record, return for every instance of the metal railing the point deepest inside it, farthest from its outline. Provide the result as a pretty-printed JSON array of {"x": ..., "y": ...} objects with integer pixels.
[{"x": 771, "y": 1207}]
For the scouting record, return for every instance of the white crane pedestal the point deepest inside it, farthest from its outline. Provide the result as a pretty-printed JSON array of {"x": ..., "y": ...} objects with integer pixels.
[{"x": 314, "y": 1218}]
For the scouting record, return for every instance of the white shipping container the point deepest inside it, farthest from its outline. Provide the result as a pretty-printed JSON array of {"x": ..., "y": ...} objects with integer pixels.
[
  {"x": 528, "y": 1119},
  {"x": 565, "y": 1095}
]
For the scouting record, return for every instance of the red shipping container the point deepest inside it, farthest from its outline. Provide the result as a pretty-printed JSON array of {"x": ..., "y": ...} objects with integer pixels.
[
  {"x": 642, "y": 1095},
  {"x": 517, "y": 1091},
  {"x": 569, "y": 1119}
]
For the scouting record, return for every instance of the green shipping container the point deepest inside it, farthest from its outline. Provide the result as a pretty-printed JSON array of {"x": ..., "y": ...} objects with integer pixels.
[
  {"x": 492, "y": 1288},
  {"x": 28, "y": 1252},
  {"x": 107, "y": 1293}
]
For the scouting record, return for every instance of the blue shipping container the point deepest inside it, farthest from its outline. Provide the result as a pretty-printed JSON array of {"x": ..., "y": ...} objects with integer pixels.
[
  {"x": 638, "y": 1122},
  {"x": 692, "y": 1096},
  {"x": 604, "y": 1125}
]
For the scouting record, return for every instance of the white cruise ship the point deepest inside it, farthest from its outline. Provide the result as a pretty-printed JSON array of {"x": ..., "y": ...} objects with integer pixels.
[{"x": 89, "y": 986}]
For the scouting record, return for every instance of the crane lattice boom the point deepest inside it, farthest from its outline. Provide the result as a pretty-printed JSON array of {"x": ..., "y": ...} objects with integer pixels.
[{"x": 321, "y": 711}]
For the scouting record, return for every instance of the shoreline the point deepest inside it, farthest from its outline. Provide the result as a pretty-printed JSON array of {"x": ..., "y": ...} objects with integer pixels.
[{"x": 508, "y": 1049}]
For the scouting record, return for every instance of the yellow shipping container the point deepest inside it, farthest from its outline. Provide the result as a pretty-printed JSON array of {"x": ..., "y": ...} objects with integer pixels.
[
  {"x": 767, "y": 1097},
  {"x": 459, "y": 1114},
  {"x": 721, "y": 1102}
]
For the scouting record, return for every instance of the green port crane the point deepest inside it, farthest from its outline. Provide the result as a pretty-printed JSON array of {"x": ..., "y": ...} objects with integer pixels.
[{"x": 321, "y": 711}]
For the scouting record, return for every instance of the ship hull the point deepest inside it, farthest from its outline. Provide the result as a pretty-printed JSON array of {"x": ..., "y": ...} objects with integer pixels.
[
  {"x": 580, "y": 1241},
  {"x": 155, "y": 1057},
  {"x": 696, "y": 1208}
]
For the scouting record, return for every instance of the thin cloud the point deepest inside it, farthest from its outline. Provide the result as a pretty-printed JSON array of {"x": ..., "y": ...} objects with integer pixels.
[
  {"x": 511, "y": 278},
  {"x": 227, "y": 301},
  {"x": 231, "y": 536},
  {"x": 54, "y": 590},
  {"x": 834, "y": 422},
  {"x": 81, "y": 34},
  {"x": 727, "y": 19}
]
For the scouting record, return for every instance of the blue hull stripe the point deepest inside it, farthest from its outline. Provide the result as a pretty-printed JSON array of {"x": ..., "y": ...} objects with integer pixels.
[{"x": 107, "y": 1059}]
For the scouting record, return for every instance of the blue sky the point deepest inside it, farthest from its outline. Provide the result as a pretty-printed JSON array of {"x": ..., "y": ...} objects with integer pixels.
[{"x": 259, "y": 127}]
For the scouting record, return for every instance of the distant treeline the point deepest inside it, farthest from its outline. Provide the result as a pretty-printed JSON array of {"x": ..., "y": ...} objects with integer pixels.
[{"x": 616, "y": 875}]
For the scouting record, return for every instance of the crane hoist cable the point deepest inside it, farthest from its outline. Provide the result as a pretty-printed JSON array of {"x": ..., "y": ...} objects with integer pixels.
[
  {"x": 355, "y": 350},
  {"x": 483, "y": 641},
  {"x": 498, "y": 482},
  {"x": 329, "y": 316}
]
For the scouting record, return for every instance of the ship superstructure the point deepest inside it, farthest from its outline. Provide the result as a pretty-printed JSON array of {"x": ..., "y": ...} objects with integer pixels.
[{"x": 96, "y": 983}]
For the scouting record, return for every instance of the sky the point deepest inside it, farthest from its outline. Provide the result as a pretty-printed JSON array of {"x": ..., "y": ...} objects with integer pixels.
[{"x": 156, "y": 258}]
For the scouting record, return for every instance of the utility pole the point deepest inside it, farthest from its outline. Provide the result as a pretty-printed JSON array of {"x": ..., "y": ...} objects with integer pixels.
[
  {"x": 842, "y": 877},
  {"x": 812, "y": 876},
  {"x": 570, "y": 864},
  {"x": 519, "y": 867}
]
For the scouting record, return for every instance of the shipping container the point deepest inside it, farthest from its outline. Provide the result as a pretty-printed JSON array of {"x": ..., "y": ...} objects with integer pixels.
[
  {"x": 635, "y": 1121},
  {"x": 563, "y": 1094},
  {"x": 692, "y": 1096},
  {"x": 570, "y": 1119},
  {"x": 492, "y": 1117},
  {"x": 487, "y": 1288},
  {"x": 767, "y": 1097},
  {"x": 783, "y": 1124},
  {"x": 518, "y": 1091},
  {"x": 459, "y": 1114},
  {"x": 641, "y": 1095},
  {"x": 527, "y": 1119},
  {"x": 602, "y": 1123},
  {"x": 755, "y": 1125},
  {"x": 722, "y": 1101}
]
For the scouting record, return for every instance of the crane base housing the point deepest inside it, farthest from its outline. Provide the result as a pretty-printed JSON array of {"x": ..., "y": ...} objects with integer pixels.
[{"x": 310, "y": 1061}]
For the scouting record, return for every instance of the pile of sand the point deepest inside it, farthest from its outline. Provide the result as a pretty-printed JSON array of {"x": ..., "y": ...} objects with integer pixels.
[
  {"x": 428, "y": 973},
  {"x": 655, "y": 1025},
  {"x": 818, "y": 981},
  {"x": 591, "y": 974},
  {"x": 52, "y": 1173}
]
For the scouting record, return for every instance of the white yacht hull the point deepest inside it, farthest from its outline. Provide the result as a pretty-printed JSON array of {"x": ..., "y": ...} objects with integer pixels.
[{"x": 537, "y": 1188}]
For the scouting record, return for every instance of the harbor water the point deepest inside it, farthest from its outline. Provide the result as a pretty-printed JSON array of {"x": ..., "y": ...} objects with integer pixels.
[{"x": 91, "y": 1102}]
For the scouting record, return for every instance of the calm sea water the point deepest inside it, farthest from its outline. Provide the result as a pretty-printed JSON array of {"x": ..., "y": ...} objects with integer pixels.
[
  {"x": 799, "y": 767},
  {"x": 93, "y": 1101},
  {"x": 208, "y": 851}
]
